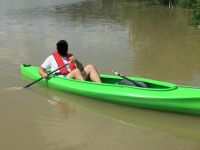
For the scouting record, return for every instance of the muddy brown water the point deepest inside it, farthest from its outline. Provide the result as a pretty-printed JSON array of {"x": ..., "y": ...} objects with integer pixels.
[{"x": 127, "y": 36}]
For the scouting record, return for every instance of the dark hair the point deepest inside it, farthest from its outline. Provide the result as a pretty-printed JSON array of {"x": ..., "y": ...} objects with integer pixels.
[{"x": 62, "y": 47}]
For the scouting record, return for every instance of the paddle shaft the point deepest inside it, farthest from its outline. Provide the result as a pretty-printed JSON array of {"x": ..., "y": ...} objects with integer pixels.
[
  {"x": 124, "y": 77},
  {"x": 140, "y": 84},
  {"x": 47, "y": 76}
]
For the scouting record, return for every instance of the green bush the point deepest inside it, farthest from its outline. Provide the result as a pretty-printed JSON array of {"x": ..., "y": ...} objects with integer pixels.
[
  {"x": 196, "y": 14},
  {"x": 187, "y": 3}
]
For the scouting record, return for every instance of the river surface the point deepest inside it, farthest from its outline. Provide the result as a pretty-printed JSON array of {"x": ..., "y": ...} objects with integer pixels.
[{"x": 127, "y": 36}]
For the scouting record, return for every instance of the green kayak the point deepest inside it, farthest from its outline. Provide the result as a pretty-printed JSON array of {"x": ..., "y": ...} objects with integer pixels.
[{"x": 158, "y": 95}]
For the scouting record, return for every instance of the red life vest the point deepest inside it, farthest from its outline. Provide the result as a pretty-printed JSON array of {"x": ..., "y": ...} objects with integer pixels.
[{"x": 61, "y": 63}]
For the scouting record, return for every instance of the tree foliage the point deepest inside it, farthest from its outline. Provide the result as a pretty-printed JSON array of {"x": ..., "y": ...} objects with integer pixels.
[
  {"x": 196, "y": 14},
  {"x": 188, "y": 4}
]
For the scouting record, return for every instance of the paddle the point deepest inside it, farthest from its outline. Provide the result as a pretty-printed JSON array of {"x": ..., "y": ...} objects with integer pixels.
[
  {"x": 47, "y": 76},
  {"x": 136, "y": 83}
]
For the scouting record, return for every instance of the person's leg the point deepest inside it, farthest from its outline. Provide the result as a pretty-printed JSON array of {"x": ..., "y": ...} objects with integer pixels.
[
  {"x": 75, "y": 74},
  {"x": 92, "y": 72}
]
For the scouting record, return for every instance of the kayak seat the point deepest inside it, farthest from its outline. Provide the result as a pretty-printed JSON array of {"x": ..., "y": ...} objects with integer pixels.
[{"x": 135, "y": 83}]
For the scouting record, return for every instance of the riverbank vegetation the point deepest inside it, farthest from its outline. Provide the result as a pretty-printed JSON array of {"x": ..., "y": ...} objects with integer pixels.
[{"x": 187, "y": 4}]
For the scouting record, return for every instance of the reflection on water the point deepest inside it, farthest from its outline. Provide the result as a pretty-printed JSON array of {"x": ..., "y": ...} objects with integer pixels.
[
  {"x": 178, "y": 125},
  {"x": 176, "y": 45},
  {"x": 127, "y": 36},
  {"x": 88, "y": 123},
  {"x": 131, "y": 38}
]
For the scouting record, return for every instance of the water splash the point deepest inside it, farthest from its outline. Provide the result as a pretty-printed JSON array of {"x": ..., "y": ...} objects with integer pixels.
[{"x": 12, "y": 89}]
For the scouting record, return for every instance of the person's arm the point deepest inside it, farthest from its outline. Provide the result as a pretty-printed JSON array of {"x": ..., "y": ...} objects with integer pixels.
[
  {"x": 78, "y": 64},
  {"x": 42, "y": 69}
]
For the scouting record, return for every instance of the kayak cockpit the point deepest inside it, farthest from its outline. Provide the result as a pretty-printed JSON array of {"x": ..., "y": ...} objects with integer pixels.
[{"x": 151, "y": 84}]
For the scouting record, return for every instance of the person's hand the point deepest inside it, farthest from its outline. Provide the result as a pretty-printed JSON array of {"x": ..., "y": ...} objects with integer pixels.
[
  {"x": 44, "y": 75},
  {"x": 72, "y": 59}
]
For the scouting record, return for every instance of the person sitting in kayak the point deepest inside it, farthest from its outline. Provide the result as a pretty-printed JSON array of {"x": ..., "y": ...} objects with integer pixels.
[{"x": 74, "y": 69}]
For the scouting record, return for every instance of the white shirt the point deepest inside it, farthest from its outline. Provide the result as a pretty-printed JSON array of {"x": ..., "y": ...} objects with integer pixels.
[{"x": 50, "y": 62}]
